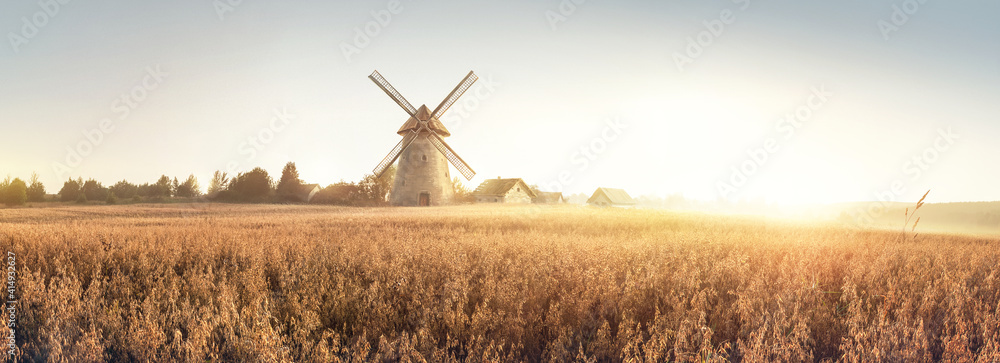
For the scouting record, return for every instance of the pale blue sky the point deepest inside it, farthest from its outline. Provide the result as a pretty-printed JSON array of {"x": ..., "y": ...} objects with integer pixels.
[{"x": 553, "y": 91}]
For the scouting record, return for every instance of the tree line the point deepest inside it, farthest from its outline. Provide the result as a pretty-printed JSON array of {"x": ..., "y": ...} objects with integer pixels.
[
  {"x": 254, "y": 186},
  {"x": 17, "y": 192}
]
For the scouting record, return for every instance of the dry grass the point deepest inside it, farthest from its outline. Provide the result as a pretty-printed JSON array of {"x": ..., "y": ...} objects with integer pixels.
[{"x": 176, "y": 283}]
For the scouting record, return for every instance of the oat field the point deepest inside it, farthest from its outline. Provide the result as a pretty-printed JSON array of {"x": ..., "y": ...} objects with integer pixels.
[{"x": 301, "y": 283}]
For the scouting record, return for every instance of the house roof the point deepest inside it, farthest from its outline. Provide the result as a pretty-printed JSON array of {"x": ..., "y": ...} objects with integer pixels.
[
  {"x": 501, "y": 186},
  {"x": 616, "y": 196},
  {"x": 307, "y": 191},
  {"x": 549, "y": 197}
]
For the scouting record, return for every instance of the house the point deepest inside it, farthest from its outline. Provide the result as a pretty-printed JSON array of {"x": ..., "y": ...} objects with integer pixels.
[
  {"x": 549, "y": 198},
  {"x": 611, "y": 197},
  {"x": 307, "y": 192},
  {"x": 503, "y": 191}
]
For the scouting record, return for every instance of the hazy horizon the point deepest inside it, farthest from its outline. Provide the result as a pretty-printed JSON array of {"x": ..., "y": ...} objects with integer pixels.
[{"x": 854, "y": 100}]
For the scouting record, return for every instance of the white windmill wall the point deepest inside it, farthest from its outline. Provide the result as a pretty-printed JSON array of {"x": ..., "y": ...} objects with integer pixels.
[{"x": 421, "y": 168}]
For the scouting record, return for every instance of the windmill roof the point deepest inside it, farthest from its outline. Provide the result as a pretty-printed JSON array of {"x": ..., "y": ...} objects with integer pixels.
[
  {"x": 412, "y": 123},
  {"x": 616, "y": 196},
  {"x": 423, "y": 114},
  {"x": 501, "y": 186}
]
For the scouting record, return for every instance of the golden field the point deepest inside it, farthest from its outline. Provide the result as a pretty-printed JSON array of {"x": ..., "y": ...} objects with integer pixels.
[{"x": 302, "y": 283}]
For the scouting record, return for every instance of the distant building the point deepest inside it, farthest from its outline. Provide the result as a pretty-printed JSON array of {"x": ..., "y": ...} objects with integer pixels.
[
  {"x": 611, "y": 197},
  {"x": 308, "y": 191},
  {"x": 503, "y": 191},
  {"x": 549, "y": 198}
]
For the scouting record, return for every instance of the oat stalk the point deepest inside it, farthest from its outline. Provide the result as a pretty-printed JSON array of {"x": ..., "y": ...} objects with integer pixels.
[{"x": 907, "y": 216}]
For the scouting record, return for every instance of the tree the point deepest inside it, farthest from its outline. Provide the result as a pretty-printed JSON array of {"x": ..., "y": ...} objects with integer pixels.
[
  {"x": 174, "y": 187},
  {"x": 71, "y": 190},
  {"x": 14, "y": 192},
  {"x": 462, "y": 194},
  {"x": 534, "y": 189},
  {"x": 253, "y": 186},
  {"x": 3, "y": 189},
  {"x": 94, "y": 190},
  {"x": 144, "y": 190},
  {"x": 4, "y": 184},
  {"x": 218, "y": 183},
  {"x": 161, "y": 189},
  {"x": 189, "y": 188},
  {"x": 376, "y": 189},
  {"x": 112, "y": 199},
  {"x": 124, "y": 189},
  {"x": 36, "y": 191},
  {"x": 342, "y": 193},
  {"x": 290, "y": 184}
]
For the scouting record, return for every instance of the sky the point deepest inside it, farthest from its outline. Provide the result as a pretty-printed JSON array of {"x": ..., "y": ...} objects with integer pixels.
[{"x": 779, "y": 101}]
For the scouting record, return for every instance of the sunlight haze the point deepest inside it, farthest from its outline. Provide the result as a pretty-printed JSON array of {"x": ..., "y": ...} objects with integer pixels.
[{"x": 595, "y": 98}]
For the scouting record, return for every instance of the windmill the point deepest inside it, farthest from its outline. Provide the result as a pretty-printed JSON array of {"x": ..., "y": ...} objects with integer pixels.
[{"x": 422, "y": 176}]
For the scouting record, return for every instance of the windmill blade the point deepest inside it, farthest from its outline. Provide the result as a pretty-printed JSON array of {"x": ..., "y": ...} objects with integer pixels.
[
  {"x": 459, "y": 164},
  {"x": 391, "y": 158},
  {"x": 391, "y": 91},
  {"x": 455, "y": 94}
]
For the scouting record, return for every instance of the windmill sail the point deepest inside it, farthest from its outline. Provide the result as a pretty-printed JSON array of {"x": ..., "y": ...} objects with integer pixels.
[
  {"x": 455, "y": 160},
  {"x": 391, "y": 91},
  {"x": 426, "y": 170},
  {"x": 455, "y": 94},
  {"x": 394, "y": 154}
]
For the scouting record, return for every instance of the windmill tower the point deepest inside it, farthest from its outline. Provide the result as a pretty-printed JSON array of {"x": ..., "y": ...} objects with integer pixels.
[{"x": 422, "y": 176}]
